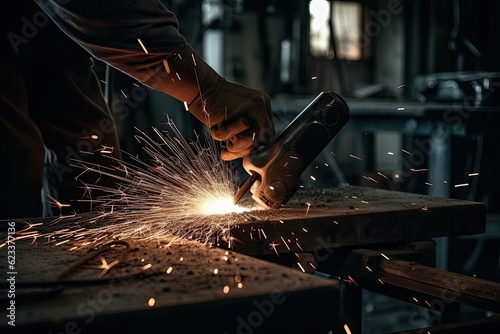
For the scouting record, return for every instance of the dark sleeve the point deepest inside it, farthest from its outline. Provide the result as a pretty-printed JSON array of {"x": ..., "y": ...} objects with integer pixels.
[{"x": 113, "y": 31}]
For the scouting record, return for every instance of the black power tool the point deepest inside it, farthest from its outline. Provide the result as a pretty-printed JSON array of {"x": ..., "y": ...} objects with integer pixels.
[{"x": 275, "y": 169}]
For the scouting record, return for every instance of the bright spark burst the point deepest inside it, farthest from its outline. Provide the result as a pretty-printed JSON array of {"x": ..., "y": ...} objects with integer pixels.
[
  {"x": 219, "y": 205},
  {"x": 172, "y": 196}
]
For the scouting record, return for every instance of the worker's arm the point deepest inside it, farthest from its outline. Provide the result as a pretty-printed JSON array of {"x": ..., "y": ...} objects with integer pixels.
[{"x": 141, "y": 38}]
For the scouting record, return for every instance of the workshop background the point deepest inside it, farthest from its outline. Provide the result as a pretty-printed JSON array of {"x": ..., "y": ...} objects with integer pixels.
[{"x": 422, "y": 79}]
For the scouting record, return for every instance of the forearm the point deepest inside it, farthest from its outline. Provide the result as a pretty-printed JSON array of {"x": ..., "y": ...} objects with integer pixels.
[
  {"x": 141, "y": 38},
  {"x": 113, "y": 30}
]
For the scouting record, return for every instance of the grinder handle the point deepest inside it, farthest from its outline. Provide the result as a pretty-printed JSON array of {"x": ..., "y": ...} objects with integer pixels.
[{"x": 280, "y": 164}]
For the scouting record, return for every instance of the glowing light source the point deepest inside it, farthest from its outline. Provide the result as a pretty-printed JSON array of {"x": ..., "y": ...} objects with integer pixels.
[{"x": 221, "y": 205}]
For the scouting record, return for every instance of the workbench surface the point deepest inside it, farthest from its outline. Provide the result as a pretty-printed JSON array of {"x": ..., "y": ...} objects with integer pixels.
[
  {"x": 194, "y": 286},
  {"x": 355, "y": 216},
  {"x": 187, "y": 286}
]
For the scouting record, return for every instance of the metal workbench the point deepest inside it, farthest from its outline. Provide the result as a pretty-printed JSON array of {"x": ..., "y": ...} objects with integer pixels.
[
  {"x": 188, "y": 288},
  {"x": 377, "y": 240},
  {"x": 302, "y": 266}
]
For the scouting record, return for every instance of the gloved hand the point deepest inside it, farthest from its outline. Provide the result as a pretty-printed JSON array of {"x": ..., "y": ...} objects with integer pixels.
[{"x": 238, "y": 115}]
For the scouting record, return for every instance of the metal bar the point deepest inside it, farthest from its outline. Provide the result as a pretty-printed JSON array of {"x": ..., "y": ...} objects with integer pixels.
[
  {"x": 245, "y": 187},
  {"x": 446, "y": 285}
]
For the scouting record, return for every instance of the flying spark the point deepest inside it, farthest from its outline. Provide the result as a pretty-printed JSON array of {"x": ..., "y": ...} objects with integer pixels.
[
  {"x": 405, "y": 151},
  {"x": 142, "y": 46},
  {"x": 167, "y": 67},
  {"x": 355, "y": 157},
  {"x": 182, "y": 191},
  {"x": 384, "y": 176},
  {"x": 419, "y": 170},
  {"x": 285, "y": 243}
]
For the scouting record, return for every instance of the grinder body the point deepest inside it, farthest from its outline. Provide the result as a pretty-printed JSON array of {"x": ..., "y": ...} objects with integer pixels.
[{"x": 275, "y": 169}]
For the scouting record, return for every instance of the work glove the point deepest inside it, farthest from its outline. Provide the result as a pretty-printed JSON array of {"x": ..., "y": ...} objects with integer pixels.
[{"x": 236, "y": 115}]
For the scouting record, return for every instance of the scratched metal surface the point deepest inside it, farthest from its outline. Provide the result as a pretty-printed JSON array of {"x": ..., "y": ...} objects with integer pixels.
[
  {"x": 190, "y": 296},
  {"x": 354, "y": 216},
  {"x": 312, "y": 220}
]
